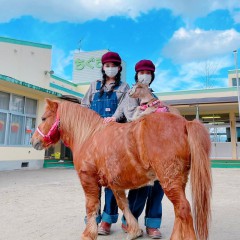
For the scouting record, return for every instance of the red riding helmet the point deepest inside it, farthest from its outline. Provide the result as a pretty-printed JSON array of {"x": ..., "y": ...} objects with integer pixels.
[
  {"x": 144, "y": 65},
  {"x": 111, "y": 57}
]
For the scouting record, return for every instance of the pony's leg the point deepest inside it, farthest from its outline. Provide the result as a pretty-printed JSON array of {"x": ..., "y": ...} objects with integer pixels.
[
  {"x": 92, "y": 190},
  {"x": 183, "y": 225},
  {"x": 133, "y": 228}
]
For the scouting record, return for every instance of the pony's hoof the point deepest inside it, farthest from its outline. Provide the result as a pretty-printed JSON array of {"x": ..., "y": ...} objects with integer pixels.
[
  {"x": 131, "y": 236},
  {"x": 83, "y": 237}
]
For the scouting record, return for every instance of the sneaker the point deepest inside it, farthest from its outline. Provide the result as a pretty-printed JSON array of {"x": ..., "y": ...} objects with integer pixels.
[
  {"x": 124, "y": 228},
  {"x": 154, "y": 233},
  {"x": 104, "y": 228}
]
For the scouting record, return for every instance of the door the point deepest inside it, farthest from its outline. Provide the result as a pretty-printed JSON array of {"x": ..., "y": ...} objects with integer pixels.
[
  {"x": 220, "y": 136},
  {"x": 238, "y": 140}
]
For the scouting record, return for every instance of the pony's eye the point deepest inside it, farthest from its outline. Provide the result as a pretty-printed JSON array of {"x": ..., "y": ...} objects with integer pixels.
[{"x": 43, "y": 119}]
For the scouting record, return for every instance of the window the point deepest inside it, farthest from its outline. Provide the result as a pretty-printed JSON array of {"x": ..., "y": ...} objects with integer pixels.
[
  {"x": 3, "y": 120},
  {"x": 4, "y": 100},
  {"x": 16, "y": 129},
  {"x": 29, "y": 129},
  {"x": 234, "y": 82},
  {"x": 31, "y": 106},
  {"x": 17, "y": 104},
  {"x": 218, "y": 126},
  {"x": 17, "y": 119},
  {"x": 219, "y": 134},
  {"x": 237, "y": 127}
]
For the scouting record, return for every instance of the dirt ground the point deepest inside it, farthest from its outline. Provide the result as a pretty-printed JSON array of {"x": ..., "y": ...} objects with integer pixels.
[{"x": 48, "y": 204}]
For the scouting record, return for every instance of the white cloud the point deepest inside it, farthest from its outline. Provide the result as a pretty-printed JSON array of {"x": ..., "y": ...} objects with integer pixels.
[
  {"x": 191, "y": 10},
  {"x": 236, "y": 16},
  {"x": 199, "y": 53},
  {"x": 167, "y": 82},
  {"x": 193, "y": 75},
  {"x": 61, "y": 61},
  {"x": 82, "y": 10},
  {"x": 199, "y": 45},
  {"x": 71, "y": 10},
  {"x": 162, "y": 83}
]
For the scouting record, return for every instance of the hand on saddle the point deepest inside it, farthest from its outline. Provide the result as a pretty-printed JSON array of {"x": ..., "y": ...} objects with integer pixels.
[{"x": 109, "y": 119}]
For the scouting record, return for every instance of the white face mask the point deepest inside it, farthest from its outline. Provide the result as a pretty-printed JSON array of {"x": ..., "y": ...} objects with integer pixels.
[
  {"x": 111, "y": 71},
  {"x": 145, "y": 78}
]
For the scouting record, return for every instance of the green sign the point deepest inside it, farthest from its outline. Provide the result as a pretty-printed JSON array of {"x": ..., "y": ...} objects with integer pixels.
[{"x": 91, "y": 63}]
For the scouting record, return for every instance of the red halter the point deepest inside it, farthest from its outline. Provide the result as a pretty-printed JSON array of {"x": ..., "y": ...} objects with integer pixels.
[
  {"x": 52, "y": 134},
  {"x": 157, "y": 104}
]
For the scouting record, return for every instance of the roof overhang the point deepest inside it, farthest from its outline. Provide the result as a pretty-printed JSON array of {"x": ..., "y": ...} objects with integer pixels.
[
  {"x": 212, "y": 100},
  {"x": 28, "y": 85}
]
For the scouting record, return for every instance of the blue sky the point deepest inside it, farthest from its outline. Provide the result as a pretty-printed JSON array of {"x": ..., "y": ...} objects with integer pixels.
[{"x": 187, "y": 40}]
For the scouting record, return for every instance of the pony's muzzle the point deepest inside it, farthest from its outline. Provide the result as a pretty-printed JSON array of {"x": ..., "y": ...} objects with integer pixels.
[
  {"x": 37, "y": 144},
  {"x": 131, "y": 92}
]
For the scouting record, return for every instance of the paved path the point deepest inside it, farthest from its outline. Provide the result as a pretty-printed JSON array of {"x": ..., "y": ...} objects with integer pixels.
[{"x": 48, "y": 204}]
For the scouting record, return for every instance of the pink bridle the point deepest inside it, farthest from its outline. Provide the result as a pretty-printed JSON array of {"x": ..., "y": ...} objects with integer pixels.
[{"x": 52, "y": 134}]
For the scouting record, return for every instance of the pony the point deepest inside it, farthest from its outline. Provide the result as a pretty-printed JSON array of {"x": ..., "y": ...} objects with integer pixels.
[
  {"x": 121, "y": 156},
  {"x": 148, "y": 103}
]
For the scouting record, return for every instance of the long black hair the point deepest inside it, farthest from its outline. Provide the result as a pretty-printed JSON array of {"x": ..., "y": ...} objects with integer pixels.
[
  {"x": 136, "y": 77},
  {"x": 117, "y": 79}
]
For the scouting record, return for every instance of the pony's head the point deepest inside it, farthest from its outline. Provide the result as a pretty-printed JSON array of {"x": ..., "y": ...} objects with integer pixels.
[
  {"x": 138, "y": 90},
  {"x": 47, "y": 132}
]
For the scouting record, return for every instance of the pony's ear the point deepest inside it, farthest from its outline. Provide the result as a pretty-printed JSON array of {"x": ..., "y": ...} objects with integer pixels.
[{"x": 52, "y": 104}]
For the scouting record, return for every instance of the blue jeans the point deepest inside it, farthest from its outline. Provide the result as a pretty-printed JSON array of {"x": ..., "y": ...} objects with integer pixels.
[
  {"x": 153, "y": 195},
  {"x": 110, "y": 211}
]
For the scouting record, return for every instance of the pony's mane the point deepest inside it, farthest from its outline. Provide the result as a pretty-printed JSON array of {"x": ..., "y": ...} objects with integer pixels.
[
  {"x": 73, "y": 112},
  {"x": 74, "y": 116}
]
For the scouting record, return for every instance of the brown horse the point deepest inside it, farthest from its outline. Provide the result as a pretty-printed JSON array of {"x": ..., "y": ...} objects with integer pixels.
[{"x": 160, "y": 146}]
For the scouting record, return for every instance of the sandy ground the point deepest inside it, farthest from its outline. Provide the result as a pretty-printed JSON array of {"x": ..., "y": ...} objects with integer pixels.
[{"x": 48, "y": 204}]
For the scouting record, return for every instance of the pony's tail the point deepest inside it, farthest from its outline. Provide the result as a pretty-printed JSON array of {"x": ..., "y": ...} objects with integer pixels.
[{"x": 201, "y": 177}]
